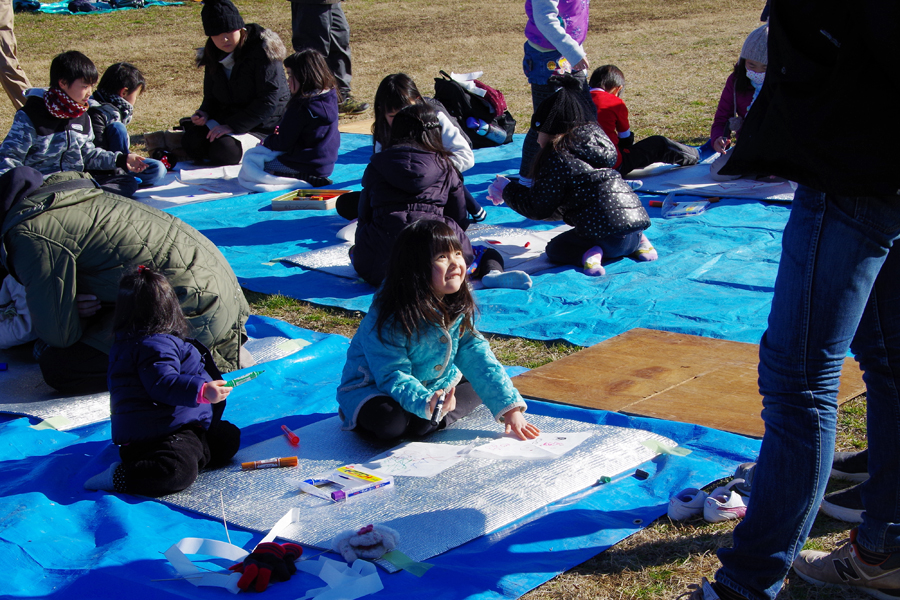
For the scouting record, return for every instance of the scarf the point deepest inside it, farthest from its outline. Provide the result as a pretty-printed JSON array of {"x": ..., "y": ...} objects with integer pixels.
[
  {"x": 126, "y": 110},
  {"x": 61, "y": 105}
]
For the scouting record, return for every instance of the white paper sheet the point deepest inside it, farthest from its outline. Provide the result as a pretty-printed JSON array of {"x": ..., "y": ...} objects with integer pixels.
[
  {"x": 545, "y": 446},
  {"x": 417, "y": 459}
]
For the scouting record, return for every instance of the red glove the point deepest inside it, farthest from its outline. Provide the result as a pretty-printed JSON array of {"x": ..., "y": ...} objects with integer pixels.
[
  {"x": 291, "y": 553},
  {"x": 265, "y": 563}
]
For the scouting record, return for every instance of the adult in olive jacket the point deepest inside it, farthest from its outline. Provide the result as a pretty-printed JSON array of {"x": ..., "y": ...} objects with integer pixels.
[{"x": 65, "y": 238}]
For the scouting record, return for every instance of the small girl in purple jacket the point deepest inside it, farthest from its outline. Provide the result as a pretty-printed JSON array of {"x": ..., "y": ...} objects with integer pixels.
[
  {"x": 166, "y": 395},
  {"x": 308, "y": 134}
]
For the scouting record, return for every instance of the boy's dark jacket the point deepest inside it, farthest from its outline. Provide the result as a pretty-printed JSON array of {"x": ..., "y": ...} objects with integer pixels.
[
  {"x": 824, "y": 115},
  {"x": 401, "y": 185},
  {"x": 254, "y": 97},
  {"x": 154, "y": 382}
]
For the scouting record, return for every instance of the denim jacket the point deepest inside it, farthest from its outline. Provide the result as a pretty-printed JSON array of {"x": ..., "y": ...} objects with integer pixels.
[{"x": 411, "y": 369}]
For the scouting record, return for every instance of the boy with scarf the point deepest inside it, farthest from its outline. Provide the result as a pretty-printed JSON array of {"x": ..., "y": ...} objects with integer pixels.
[
  {"x": 111, "y": 110},
  {"x": 53, "y": 132}
]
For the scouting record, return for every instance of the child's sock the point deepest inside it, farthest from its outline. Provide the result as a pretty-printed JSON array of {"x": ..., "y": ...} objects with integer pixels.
[
  {"x": 592, "y": 260},
  {"x": 645, "y": 250},
  {"x": 480, "y": 216},
  {"x": 104, "y": 480},
  {"x": 514, "y": 280}
]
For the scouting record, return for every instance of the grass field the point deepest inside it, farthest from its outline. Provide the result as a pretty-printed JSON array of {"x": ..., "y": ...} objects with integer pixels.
[{"x": 675, "y": 55}]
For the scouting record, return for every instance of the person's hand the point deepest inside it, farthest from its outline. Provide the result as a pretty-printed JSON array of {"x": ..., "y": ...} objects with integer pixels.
[
  {"x": 516, "y": 423},
  {"x": 218, "y": 131},
  {"x": 266, "y": 563},
  {"x": 87, "y": 305},
  {"x": 216, "y": 391},
  {"x": 495, "y": 190},
  {"x": 135, "y": 163},
  {"x": 721, "y": 144},
  {"x": 199, "y": 118},
  {"x": 583, "y": 65},
  {"x": 449, "y": 402}
]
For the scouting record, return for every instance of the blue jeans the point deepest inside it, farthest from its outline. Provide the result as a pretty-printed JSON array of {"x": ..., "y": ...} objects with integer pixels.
[
  {"x": 838, "y": 287},
  {"x": 537, "y": 68},
  {"x": 115, "y": 138}
]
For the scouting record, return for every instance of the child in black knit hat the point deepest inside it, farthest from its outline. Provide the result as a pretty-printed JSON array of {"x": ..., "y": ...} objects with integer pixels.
[{"x": 244, "y": 88}]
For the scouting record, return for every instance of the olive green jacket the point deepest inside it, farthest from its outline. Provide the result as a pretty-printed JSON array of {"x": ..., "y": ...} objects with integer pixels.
[{"x": 82, "y": 241}]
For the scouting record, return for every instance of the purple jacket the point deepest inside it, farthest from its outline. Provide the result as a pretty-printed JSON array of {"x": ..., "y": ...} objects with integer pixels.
[
  {"x": 402, "y": 185},
  {"x": 730, "y": 103},
  {"x": 308, "y": 134},
  {"x": 154, "y": 382},
  {"x": 574, "y": 15}
]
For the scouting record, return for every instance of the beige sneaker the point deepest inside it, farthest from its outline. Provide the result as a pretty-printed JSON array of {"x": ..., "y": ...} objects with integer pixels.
[
  {"x": 352, "y": 106},
  {"x": 845, "y": 568}
]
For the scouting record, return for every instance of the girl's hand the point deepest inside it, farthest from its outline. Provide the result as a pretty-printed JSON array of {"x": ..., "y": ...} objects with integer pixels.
[
  {"x": 449, "y": 402},
  {"x": 583, "y": 65},
  {"x": 218, "y": 131},
  {"x": 516, "y": 423},
  {"x": 495, "y": 190},
  {"x": 199, "y": 118},
  {"x": 135, "y": 163},
  {"x": 216, "y": 391},
  {"x": 721, "y": 145}
]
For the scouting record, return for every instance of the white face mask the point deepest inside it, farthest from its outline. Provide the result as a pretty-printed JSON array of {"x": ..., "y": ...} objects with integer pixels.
[{"x": 756, "y": 78}]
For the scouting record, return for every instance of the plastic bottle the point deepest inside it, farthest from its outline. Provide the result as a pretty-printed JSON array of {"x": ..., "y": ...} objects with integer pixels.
[{"x": 491, "y": 132}]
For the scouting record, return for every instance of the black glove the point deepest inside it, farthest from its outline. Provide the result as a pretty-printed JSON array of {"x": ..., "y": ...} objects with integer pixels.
[
  {"x": 627, "y": 142},
  {"x": 266, "y": 563}
]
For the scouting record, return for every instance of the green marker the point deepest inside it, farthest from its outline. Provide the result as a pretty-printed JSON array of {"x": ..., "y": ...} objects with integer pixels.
[{"x": 243, "y": 378}]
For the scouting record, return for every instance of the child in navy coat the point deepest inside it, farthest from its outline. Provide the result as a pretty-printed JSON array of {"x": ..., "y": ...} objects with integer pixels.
[{"x": 166, "y": 395}]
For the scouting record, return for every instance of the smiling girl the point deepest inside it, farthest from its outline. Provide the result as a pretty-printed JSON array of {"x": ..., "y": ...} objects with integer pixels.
[{"x": 418, "y": 344}]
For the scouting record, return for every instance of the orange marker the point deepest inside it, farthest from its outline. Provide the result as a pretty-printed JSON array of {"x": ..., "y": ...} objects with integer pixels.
[
  {"x": 291, "y": 436},
  {"x": 269, "y": 463}
]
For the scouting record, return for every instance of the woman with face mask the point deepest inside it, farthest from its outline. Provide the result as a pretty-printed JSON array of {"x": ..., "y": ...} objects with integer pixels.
[{"x": 741, "y": 89}]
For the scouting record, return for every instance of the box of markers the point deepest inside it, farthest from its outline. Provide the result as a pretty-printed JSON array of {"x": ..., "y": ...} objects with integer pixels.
[{"x": 345, "y": 483}]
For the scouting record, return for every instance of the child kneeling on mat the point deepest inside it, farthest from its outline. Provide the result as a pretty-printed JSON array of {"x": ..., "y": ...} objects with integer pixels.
[
  {"x": 166, "y": 395},
  {"x": 417, "y": 364},
  {"x": 573, "y": 181}
]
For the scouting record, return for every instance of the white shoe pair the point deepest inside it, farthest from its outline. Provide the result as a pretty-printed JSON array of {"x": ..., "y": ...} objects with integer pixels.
[{"x": 722, "y": 504}]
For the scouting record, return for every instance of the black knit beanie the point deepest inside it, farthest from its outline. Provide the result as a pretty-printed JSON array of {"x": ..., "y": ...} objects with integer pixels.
[
  {"x": 564, "y": 109},
  {"x": 220, "y": 16}
]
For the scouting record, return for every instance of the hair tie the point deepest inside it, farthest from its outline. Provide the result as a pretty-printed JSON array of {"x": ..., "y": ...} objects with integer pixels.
[
  {"x": 431, "y": 125},
  {"x": 142, "y": 268}
]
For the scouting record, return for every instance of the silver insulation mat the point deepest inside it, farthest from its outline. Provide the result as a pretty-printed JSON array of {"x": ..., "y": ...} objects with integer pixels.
[
  {"x": 509, "y": 241},
  {"x": 432, "y": 515},
  {"x": 23, "y": 391}
]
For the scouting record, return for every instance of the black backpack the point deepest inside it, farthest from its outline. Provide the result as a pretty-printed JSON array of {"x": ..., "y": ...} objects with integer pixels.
[{"x": 461, "y": 104}]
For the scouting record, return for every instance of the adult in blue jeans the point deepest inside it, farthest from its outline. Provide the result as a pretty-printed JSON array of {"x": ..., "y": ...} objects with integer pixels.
[{"x": 838, "y": 288}]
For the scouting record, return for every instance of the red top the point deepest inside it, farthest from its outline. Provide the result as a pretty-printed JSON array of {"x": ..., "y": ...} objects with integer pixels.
[{"x": 612, "y": 116}]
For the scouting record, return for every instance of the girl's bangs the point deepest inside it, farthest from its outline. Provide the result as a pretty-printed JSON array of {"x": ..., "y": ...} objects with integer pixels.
[{"x": 444, "y": 240}]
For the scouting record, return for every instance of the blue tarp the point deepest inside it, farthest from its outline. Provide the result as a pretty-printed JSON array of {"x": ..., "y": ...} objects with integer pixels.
[
  {"x": 714, "y": 277},
  {"x": 60, "y": 541},
  {"x": 62, "y": 8}
]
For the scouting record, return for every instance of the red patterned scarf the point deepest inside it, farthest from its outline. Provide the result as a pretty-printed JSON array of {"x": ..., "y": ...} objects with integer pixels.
[{"x": 61, "y": 105}]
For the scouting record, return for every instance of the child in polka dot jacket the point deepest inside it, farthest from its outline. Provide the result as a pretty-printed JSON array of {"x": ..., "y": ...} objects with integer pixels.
[{"x": 574, "y": 181}]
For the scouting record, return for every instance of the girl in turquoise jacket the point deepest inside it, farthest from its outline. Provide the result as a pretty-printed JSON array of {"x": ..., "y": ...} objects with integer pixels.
[{"x": 417, "y": 363}]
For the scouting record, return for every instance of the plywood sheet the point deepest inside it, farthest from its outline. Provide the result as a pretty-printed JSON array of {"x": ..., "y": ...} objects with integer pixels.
[{"x": 665, "y": 375}]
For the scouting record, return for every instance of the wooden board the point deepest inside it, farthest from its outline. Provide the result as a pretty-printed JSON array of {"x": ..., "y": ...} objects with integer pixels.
[{"x": 669, "y": 376}]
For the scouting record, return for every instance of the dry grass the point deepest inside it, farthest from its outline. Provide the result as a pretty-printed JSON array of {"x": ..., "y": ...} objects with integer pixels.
[{"x": 675, "y": 55}]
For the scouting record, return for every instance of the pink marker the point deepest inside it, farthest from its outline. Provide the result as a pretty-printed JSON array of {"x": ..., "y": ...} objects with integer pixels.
[{"x": 291, "y": 436}]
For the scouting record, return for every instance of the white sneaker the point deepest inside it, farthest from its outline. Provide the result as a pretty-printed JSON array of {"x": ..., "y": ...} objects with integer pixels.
[
  {"x": 686, "y": 503},
  {"x": 724, "y": 504}
]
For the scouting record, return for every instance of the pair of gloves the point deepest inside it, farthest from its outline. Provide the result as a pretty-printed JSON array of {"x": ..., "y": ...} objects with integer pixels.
[{"x": 269, "y": 561}]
